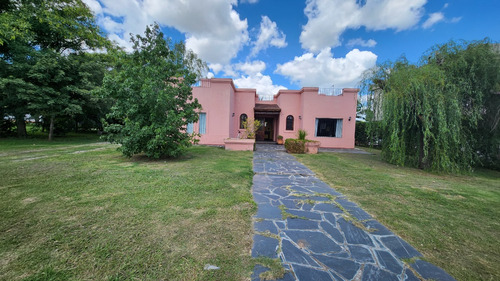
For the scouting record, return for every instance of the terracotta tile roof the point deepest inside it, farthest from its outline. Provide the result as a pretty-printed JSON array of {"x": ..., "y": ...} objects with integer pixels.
[{"x": 267, "y": 107}]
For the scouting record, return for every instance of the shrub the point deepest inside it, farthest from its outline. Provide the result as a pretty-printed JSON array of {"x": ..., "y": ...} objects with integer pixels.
[
  {"x": 250, "y": 126},
  {"x": 368, "y": 134},
  {"x": 301, "y": 134},
  {"x": 361, "y": 137},
  {"x": 295, "y": 146}
]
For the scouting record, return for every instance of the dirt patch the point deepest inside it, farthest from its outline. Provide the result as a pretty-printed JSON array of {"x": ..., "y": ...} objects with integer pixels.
[
  {"x": 32, "y": 158},
  {"x": 454, "y": 197},
  {"x": 83, "y": 151},
  {"x": 29, "y": 200}
]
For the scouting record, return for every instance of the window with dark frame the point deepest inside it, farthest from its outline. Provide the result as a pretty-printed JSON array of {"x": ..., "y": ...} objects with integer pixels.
[
  {"x": 327, "y": 127},
  {"x": 289, "y": 123},
  {"x": 243, "y": 118}
]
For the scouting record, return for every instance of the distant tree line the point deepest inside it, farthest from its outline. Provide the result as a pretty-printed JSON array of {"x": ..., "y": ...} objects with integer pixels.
[
  {"x": 45, "y": 69},
  {"x": 58, "y": 67},
  {"x": 441, "y": 114}
]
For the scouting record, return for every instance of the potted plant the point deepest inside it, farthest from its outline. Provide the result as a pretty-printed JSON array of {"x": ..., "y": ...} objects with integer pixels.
[
  {"x": 301, "y": 144},
  {"x": 280, "y": 139}
]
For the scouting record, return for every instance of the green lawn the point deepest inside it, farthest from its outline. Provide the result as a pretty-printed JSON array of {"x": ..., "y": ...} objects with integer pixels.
[
  {"x": 452, "y": 220},
  {"x": 75, "y": 209}
]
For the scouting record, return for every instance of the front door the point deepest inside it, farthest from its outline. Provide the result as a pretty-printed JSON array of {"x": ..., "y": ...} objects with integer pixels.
[{"x": 266, "y": 130}]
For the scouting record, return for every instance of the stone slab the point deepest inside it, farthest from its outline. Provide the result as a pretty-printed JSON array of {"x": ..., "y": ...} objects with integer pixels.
[
  {"x": 430, "y": 271},
  {"x": 344, "y": 267},
  {"x": 314, "y": 241},
  {"x": 373, "y": 273},
  {"x": 308, "y": 273},
  {"x": 399, "y": 247},
  {"x": 264, "y": 247},
  {"x": 354, "y": 234},
  {"x": 293, "y": 254}
]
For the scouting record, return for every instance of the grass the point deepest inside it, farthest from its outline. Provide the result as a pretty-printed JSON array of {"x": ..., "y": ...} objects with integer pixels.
[
  {"x": 75, "y": 209},
  {"x": 451, "y": 219}
]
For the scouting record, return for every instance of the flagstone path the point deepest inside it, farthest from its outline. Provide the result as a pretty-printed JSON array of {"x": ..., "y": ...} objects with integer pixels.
[{"x": 320, "y": 235}]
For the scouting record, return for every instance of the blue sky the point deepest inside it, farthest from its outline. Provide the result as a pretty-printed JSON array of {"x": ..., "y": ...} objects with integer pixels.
[{"x": 273, "y": 44}]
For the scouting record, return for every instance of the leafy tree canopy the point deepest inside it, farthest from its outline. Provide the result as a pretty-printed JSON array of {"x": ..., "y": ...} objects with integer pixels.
[
  {"x": 40, "y": 74},
  {"x": 443, "y": 113},
  {"x": 153, "y": 100}
]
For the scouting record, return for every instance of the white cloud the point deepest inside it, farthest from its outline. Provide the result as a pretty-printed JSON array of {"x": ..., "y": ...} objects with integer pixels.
[
  {"x": 213, "y": 28},
  {"x": 360, "y": 42},
  {"x": 248, "y": 75},
  {"x": 94, "y": 6},
  {"x": 269, "y": 35},
  {"x": 249, "y": 1},
  {"x": 455, "y": 19},
  {"x": 216, "y": 67},
  {"x": 328, "y": 19},
  {"x": 262, "y": 83},
  {"x": 251, "y": 68},
  {"x": 433, "y": 19},
  {"x": 324, "y": 70}
]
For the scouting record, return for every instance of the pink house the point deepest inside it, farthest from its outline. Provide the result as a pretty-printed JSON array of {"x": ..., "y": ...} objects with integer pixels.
[{"x": 327, "y": 116}]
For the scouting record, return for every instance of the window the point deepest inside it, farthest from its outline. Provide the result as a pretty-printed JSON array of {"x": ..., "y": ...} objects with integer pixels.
[
  {"x": 289, "y": 123},
  {"x": 189, "y": 128},
  {"x": 203, "y": 123},
  {"x": 326, "y": 127},
  {"x": 243, "y": 118}
]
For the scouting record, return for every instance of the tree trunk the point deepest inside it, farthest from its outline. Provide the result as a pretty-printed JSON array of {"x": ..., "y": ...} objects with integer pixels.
[
  {"x": 51, "y": 128},
  {"x": 21, "y": 126}
]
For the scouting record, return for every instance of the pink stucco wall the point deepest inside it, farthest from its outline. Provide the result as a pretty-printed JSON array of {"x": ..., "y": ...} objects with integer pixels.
[
  {"x": 224, "y": 104},
  {"x": 245, "y": 104},
  {"x": 338, "y": 107},
  {"x": 215, "y": 99},
  {"x": 289, "y": 102}
]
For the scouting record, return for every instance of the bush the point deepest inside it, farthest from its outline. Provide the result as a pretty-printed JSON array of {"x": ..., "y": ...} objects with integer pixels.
[
  {"x": 368, "y": 134},
  {"x": 7, "y": 127},
  {"x": 361, "y": 137},
  {"x": 295, "y": 146},
  {"x": 301, "y": 135}
]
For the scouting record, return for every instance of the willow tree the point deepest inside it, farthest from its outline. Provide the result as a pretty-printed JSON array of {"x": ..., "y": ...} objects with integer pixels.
[{"x": 432, "y": 113}]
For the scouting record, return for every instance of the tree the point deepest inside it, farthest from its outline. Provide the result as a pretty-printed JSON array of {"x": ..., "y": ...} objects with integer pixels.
[
  {"x": 432, "y": 113},
  {"x": 38, "y": 32},
  {"x": 151, "y": 88},
  {"x": 474, "y": 67}
]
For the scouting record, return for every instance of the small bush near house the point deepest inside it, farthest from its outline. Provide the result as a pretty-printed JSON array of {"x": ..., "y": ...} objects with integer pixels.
[
  {"x": 250, "y": 127},
  {"x": 295, "y": 146},
  {"x": 360, "y": 136},
  {"x": 301, "y": 135},
  {"x": 368, "y": 134}
]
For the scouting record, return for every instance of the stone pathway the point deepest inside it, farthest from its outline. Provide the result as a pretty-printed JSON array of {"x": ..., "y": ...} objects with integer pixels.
[{"x": 320, "y": 235}]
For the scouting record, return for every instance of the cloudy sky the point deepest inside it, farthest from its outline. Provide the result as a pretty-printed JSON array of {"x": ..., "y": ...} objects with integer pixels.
[{"x": 273, "y": 44}]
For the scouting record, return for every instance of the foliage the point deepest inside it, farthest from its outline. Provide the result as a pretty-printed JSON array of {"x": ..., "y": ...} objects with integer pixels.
[
  {"x": 39, "y": 41},
  {"x": 301, "y": 134},
  {"x": 251, "y": 126},
  {"x": 295, "y": 146},
  {"x": 280, "y": 137},
  {"x": 7, "y": 126},
  {"x": 153, "y": 100},
  {"x": 360, "y": 136},
  {"x": 432, "y": 113}
]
